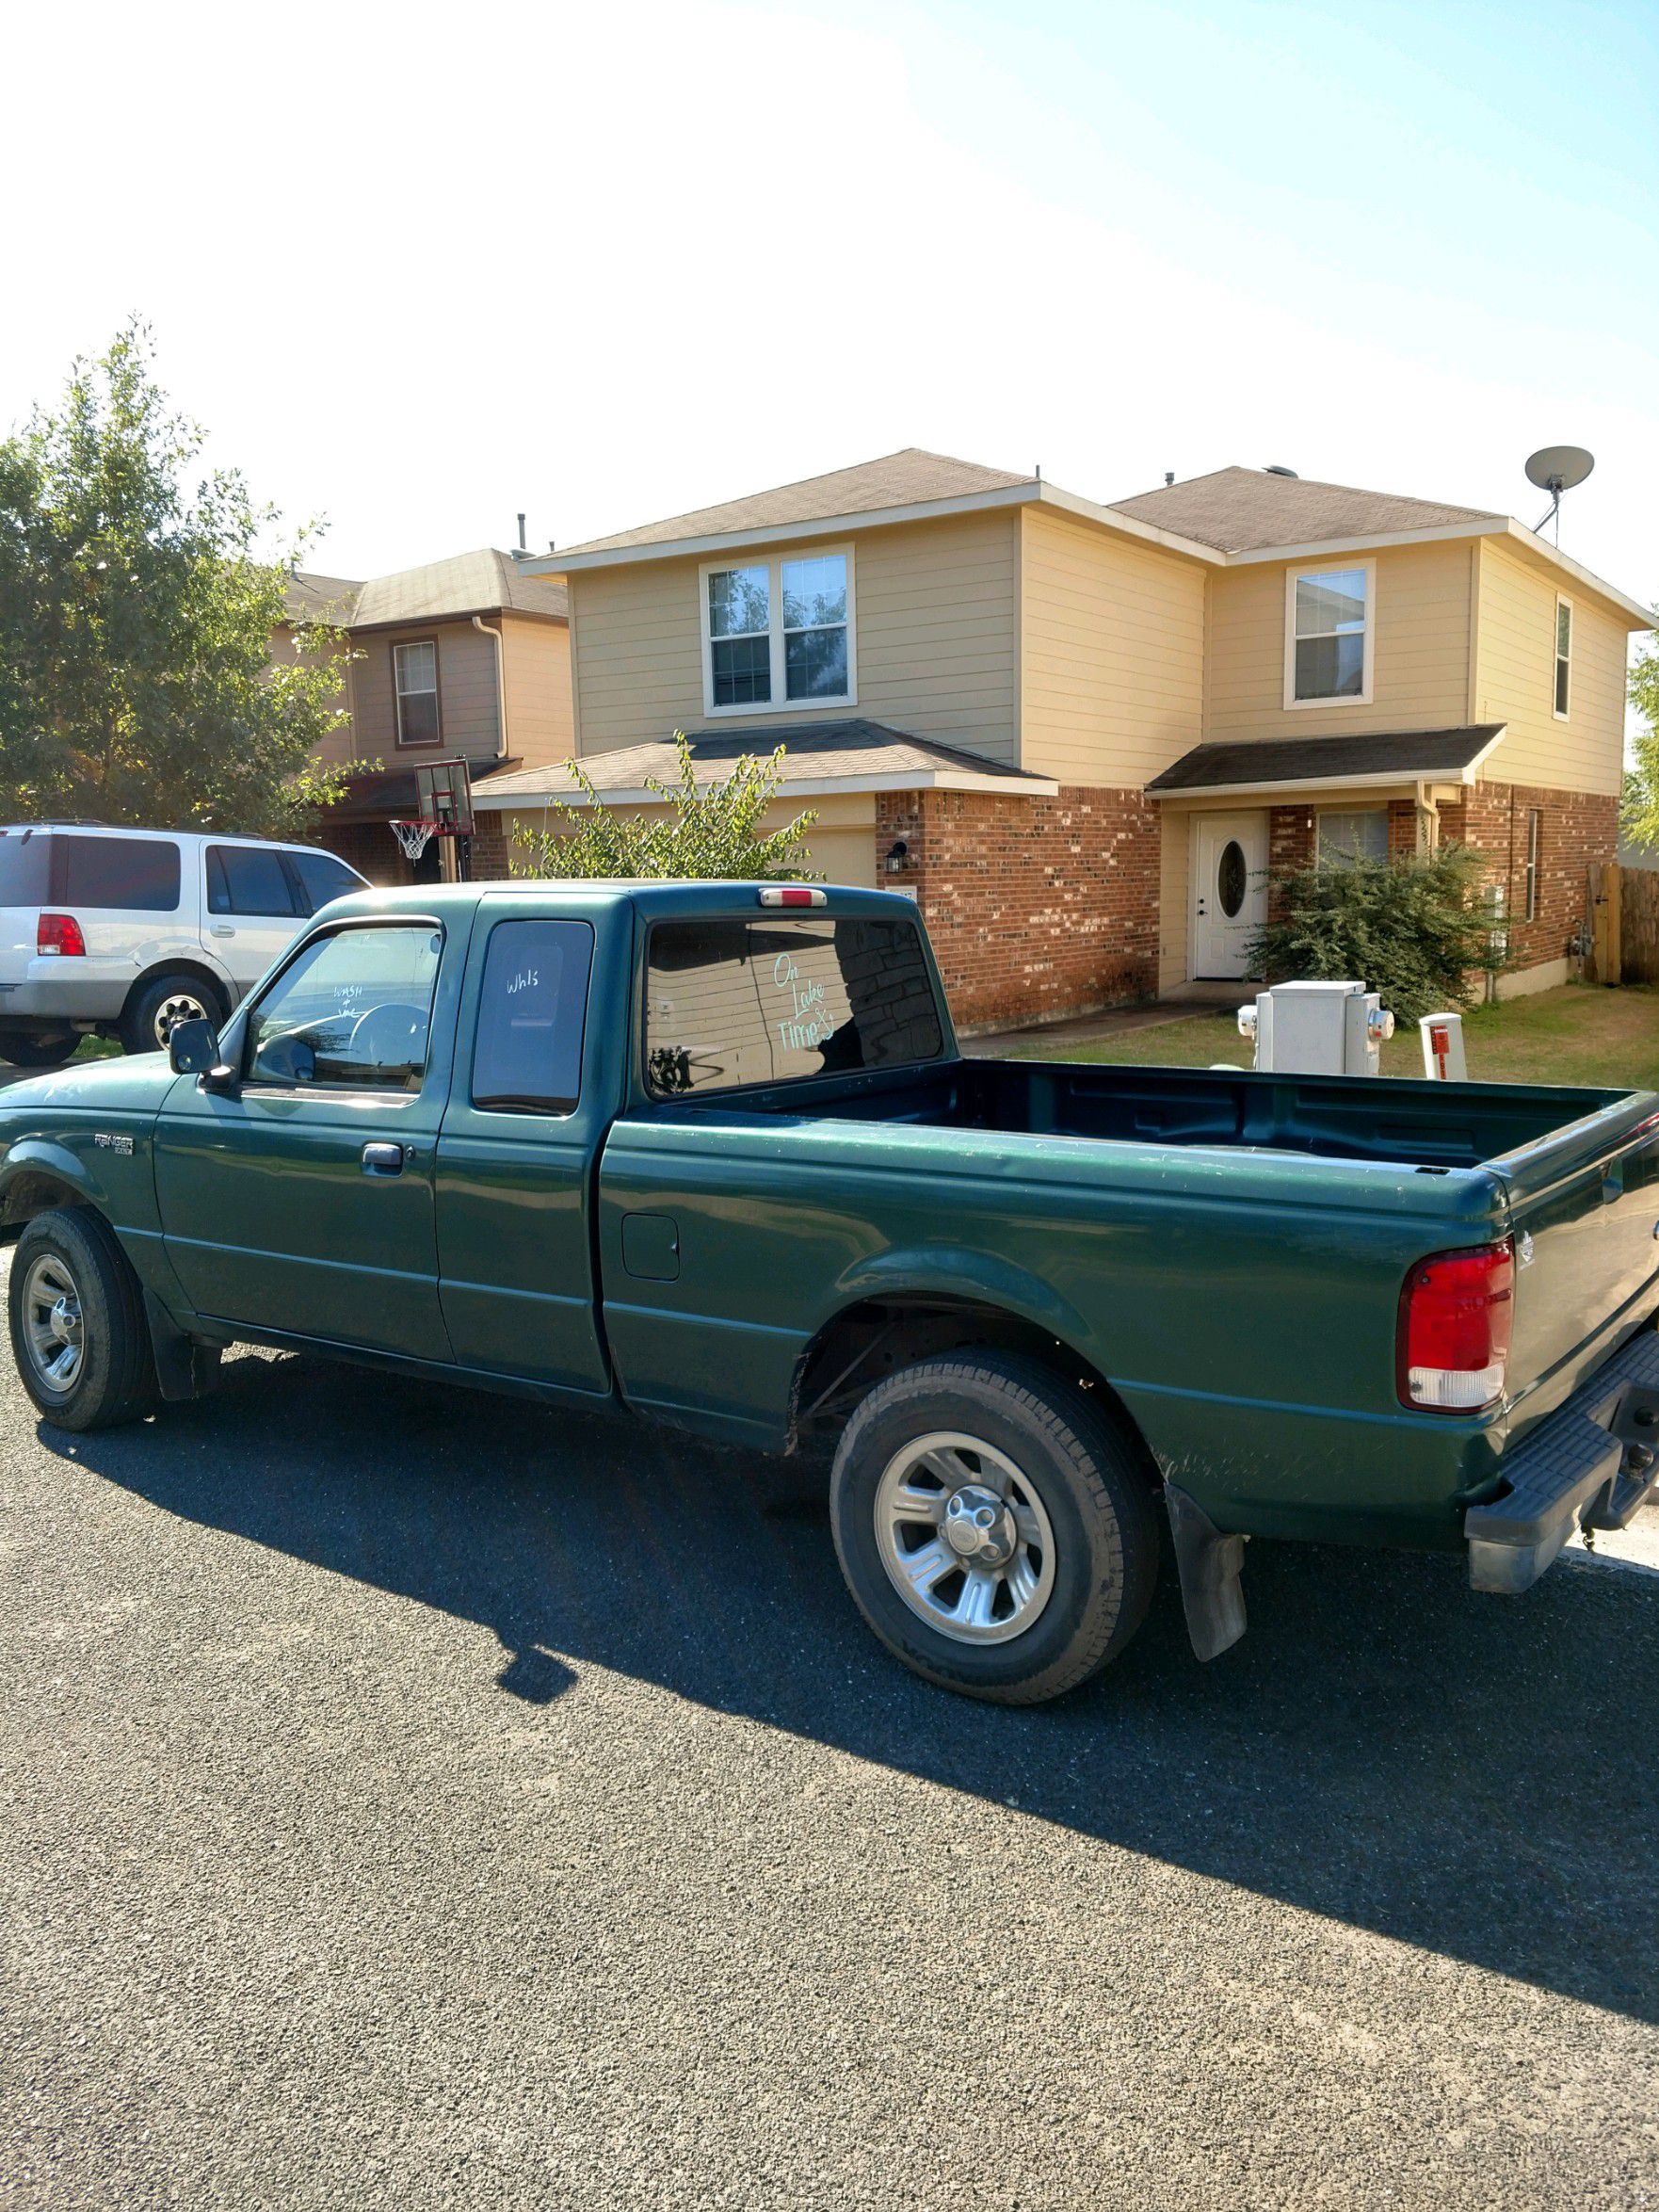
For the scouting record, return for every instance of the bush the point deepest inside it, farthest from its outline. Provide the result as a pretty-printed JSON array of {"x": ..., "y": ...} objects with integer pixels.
[
  {"x": 712, "y": 830},
  {"x": 1420, "y": 932}
]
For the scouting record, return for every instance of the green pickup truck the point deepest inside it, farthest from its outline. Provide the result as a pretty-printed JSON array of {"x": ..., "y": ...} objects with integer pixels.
[{"x": 708, "y": 1153}]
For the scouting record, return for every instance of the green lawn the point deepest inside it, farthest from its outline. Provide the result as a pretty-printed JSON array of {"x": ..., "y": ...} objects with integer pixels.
[{"x": 1579, "y": 1034}]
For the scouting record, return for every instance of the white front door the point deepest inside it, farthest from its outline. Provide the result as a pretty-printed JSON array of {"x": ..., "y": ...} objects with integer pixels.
[{"x": 1228, "y": 891}]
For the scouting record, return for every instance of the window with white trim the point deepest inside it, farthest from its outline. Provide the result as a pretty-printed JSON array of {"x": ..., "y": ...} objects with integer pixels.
[
  {"x": 414, "y": 675},
  {"x": 779, "y": 633},
  {"x": 1360, "y": 834},
  {"x": 1534, "y": 834},
  {"x": 1328, "y": 635},
  {"x": 1563, "y": 659}
]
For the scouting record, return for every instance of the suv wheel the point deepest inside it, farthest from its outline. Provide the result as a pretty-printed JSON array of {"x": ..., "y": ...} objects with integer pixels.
[
  {"x": 78, "y": 1332},
  {"x": 996, "y": 1532},
  {"x": 155, "y": 1007},
  {"x": 47, "y": 1048}
]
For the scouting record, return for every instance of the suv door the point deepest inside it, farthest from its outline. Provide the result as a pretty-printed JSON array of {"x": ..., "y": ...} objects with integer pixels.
[
  {"x": 515, "y": 1156},
  {"x": 301, "y": 1203},
  {"x": 250, "y": 911}
]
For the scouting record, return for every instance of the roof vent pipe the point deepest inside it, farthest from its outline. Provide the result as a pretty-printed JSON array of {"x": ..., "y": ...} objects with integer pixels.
[
  {"x": 1168, "y": 476},
  {"x": 523, "y": 541}
]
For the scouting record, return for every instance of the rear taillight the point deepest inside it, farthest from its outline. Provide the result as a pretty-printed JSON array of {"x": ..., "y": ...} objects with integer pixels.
[
  {"x": 60, "y": 933},
  {"x": 1457, "y": 1310}
]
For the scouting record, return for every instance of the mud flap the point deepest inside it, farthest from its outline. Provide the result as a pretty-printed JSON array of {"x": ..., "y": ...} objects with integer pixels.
[
  {"x": 1210, "y": 1565},
  {"x": 184, "y": 1367}
]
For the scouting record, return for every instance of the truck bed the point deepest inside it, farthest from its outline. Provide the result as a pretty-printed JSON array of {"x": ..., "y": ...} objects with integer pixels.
[{"x": 1414, "y": 1124}]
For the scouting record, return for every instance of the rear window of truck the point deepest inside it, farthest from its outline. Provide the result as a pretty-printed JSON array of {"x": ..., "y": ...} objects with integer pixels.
[{"x": 732, "y": 1002}]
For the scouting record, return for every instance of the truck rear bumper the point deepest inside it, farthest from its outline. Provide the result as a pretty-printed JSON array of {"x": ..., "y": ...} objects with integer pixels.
[{"x": 1589, "y": 1466}]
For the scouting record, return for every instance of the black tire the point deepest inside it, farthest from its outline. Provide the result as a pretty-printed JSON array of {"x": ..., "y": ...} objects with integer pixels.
[
  {"x": 37, "y": 1049},
  {"x": 1087, "y": 1479},
  {"x": 115, "y": 1378},
  {"x": 156, "y": 1004}
]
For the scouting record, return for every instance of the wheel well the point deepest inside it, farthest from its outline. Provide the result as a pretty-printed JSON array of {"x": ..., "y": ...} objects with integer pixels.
[
  {"x": 879, "y": 1337},
  {"x": 196, "y": 970},
  {"x": 34, "y": 1190}
]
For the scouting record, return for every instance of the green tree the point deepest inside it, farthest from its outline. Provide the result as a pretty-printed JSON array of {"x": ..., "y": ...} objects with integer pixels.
[
  {"x": 1415, "y": 930},
  {"x": 137, "y": 683},
  {"x": 711, "y": 831},
  {"x": 1639, "y": 814}
]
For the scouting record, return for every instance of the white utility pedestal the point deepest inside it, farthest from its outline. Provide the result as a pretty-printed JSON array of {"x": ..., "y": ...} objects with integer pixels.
[
  {"x": 1443, "y": 1058},
  {"x": 1317, "y": 1030}
]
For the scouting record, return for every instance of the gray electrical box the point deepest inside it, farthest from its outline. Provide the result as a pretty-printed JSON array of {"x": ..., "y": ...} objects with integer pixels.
[{"x": 1317, "y": 1030}]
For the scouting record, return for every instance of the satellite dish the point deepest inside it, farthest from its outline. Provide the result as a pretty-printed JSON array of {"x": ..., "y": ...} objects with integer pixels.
[
  {"x": 1558, "y": 468},
  {"x": 1555, "y": 469}
]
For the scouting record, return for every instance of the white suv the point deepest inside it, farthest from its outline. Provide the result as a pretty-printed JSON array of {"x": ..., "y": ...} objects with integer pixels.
[{"x": 126, "y": 931}]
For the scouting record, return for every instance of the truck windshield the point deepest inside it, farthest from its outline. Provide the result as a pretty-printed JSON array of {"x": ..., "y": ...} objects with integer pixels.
[{"x": 731, "y": 1001}]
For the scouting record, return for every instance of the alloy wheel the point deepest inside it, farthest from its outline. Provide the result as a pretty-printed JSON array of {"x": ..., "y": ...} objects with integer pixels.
[
  {"x": 965, "y": 1538},
  {"x": 52, "y": 1322}
]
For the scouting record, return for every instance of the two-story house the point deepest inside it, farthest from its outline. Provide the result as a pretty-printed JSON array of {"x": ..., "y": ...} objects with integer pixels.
[
  {"x": 1082, "y": 735},
  {"x": 466, "y": 659}
]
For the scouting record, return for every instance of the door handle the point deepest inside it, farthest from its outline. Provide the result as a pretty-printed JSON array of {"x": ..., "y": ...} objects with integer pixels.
[
  {"x": 223, "y": 929},
  {"x": 382, "y": 1159}
]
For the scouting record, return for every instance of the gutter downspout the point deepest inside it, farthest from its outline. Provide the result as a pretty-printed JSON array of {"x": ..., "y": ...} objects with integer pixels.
[{"x": 484, "y": 630}]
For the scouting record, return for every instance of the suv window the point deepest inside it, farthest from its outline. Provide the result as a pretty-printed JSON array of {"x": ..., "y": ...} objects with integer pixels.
[
  {"x": 322, "y": 877},
  {"x": 132, "y": 874},
  {"x": 353, "y": 1012},
  {"x": 531, "y": 1012},
  {"x": 247, "y": 879},
  {"x": 731, "y": 1002},
  {"x": 24, "y": 868}
]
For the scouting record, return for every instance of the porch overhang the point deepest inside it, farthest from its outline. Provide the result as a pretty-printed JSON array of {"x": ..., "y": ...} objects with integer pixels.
[{"x": 1269, "y": 771}]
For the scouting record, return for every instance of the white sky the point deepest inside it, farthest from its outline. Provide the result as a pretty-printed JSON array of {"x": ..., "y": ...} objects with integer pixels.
[{"x": 419, "y": 267}]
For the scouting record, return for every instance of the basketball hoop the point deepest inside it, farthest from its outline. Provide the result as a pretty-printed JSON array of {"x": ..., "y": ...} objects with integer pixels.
[{"x": 411, "y": 838}]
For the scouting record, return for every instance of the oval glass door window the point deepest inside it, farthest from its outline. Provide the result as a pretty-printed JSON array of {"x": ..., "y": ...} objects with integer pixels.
[{"x": 1232, "y": 878}]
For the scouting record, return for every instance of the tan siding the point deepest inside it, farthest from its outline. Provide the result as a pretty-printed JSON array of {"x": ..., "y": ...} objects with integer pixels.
[
  {"x": 337, "y": 746},
  {"x": 937, "y": 640},
  {"x": 1515, "y": 678},
  {"x": 1112, "y": 654},
  {"x": 1174, "y": 895},
  {"x": 536, "y": 676},
  {"x": 466, "y": 694},
  {"x": 1422, "y": 656}
]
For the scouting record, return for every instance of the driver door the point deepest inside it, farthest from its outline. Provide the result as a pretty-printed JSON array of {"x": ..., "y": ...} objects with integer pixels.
[{"x": 301, "y": 1204}]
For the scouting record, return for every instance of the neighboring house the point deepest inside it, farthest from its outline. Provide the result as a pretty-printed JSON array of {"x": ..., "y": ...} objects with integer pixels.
[
  {"x": 466, "y": 659},
  {"x": 1080, "y": 735}
]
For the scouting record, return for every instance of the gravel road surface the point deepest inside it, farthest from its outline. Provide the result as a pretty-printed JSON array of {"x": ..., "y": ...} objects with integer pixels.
[{"x": 419, "y": 1799}]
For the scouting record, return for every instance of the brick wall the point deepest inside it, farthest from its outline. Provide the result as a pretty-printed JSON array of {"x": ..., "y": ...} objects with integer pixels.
[
  {"x": 1037, "y": 907},
  {"x": 488, "y": 858},
  {"x": 1575, "y": 828}
]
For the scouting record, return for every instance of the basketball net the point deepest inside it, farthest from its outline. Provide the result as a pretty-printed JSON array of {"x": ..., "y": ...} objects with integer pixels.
[{"x": 412, "y": 837}]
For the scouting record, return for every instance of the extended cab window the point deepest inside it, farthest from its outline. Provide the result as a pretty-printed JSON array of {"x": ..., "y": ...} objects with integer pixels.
[
  {"x": 354, "y": 1012},
  {"x": 731, "y": 1001},
  {"x": 531, "y": 1011},
  {"x": 247, "y": 879},
  {"x": 134, "y": 875}
]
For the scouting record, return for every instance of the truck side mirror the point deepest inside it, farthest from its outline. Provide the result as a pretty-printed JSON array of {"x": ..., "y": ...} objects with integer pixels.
[{"x": 192, "y": 1046}]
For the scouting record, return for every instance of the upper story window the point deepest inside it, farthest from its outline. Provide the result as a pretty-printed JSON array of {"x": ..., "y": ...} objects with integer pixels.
[
  {"x": 1328, "y": 635},
  {"x": 414, "y": 669},
  {"x": 1563, "y": 659},
  {"x": 779, "y": 633}
]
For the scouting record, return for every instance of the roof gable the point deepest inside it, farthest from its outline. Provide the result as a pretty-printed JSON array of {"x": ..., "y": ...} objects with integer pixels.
[
  {"x": 1240, "y": 510},
  {"x": 485, "y": 582}
]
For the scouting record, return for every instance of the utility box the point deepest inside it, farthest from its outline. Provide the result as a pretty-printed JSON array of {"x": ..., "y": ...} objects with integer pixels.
[
  {"x": 1317, "y": 1030},
  {"x": 1443, "y": 1058}
]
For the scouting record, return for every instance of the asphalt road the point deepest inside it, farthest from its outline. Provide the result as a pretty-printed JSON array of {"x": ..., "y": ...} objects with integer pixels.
[{"x": 414, "y": 1799}]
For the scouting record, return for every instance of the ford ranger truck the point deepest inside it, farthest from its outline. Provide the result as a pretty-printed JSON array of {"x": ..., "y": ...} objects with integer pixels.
[{"x": 708, "y": 1155}]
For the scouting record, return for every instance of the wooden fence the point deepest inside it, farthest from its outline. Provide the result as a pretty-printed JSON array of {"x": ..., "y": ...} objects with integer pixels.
[{"x": 1624, "y": 923}]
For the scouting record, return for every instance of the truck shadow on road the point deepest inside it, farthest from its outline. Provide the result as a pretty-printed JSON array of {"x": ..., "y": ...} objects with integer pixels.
[{"x": 1470, "y": 1775}]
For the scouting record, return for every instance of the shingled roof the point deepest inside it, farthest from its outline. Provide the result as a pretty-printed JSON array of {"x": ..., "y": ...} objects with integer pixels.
[
  {"x": 1238, "y": 510},
  {"x": 1385, "y": 756},
  {"x": 485, "y": 582},
  {"x": 911, "y": 478}
]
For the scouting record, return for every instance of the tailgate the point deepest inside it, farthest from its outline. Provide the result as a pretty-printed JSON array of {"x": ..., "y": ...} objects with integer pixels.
[{"x": 1583, "y": 1209}]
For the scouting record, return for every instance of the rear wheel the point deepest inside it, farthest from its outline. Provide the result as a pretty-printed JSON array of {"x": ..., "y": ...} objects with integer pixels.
[
  {"x": 156, "y": 1007},
  {"x": 36, "y": 1048},
  {"x": 995, "y": 1531},
  {"x": 78, "y": 1332}
]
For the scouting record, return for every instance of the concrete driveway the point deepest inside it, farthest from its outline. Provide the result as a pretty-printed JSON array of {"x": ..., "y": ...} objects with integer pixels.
[{"x": 414, "y": 1799}]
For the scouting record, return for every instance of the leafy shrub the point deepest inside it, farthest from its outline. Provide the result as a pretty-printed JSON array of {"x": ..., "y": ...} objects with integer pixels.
[
  {"x": 711, "y": 832},
  {"x": 1418, "y": 931}
]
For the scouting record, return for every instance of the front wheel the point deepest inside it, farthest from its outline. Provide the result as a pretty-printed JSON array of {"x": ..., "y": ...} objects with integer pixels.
[
  {"x": 996, "y": 1533},
  {"x": 78, "y": 1332}
]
